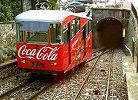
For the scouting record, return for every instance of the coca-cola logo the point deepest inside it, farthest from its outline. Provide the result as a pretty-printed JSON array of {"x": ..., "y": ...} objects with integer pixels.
[{"x": 44, "y": 53}]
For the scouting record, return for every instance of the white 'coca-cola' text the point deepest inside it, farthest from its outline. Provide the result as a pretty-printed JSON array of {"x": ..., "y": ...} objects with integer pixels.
[{"x": 41, "y": 54}]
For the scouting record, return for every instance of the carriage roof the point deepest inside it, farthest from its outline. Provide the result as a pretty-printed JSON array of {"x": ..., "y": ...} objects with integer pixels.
[{"x": 47, "y": 15}]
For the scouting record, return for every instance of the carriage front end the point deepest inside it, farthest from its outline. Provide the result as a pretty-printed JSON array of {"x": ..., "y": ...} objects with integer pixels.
[{"x": 39, "y": 46}]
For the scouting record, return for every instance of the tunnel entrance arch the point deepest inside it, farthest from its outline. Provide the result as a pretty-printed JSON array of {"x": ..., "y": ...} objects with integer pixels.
[{"x": 109, "y": 33}]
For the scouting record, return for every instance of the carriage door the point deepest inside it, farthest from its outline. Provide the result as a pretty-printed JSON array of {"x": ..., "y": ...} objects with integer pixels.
[{"x": 84, "y": 39}]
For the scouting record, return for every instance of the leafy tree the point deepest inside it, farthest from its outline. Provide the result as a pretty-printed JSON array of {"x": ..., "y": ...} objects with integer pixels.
[
  {"x": 9, "y": 9},
  {"x": 48, "y": 4},
  {"x": 53, "y": 4},
  {"x": 15, "y": 7},
  {"x": 33, "y": 3},
  {"x": 5, "y": 13}
]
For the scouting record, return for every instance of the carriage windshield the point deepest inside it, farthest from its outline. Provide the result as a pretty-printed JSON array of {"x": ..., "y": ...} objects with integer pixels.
[{"x": 39, "y": 32}]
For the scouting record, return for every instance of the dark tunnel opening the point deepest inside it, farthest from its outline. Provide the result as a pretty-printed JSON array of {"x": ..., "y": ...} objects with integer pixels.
[{"x": 110, "y": 33}]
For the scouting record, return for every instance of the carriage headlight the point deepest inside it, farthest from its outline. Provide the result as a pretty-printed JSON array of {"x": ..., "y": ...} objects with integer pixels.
[
  {"x": 23, "y": 61},
  {"x": 53, "y": 63}
]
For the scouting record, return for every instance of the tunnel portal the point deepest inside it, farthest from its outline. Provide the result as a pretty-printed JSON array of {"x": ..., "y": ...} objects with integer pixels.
[{"x": 110, "y": 33}]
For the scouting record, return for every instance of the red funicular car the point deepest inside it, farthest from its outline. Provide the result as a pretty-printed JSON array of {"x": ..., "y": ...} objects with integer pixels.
[{"x": 52, "y": 40}]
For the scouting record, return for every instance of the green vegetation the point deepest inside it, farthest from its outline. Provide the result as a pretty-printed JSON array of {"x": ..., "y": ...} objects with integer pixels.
[
  {"x": 53, "y": 4},
  {"x": 48, "y": 4},
  {"x": 9, "y": 9}
]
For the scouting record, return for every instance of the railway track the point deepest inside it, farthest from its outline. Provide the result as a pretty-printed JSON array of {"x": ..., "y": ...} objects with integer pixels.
[
  {"x": 56, "y": 94},
  {"x": 12, "y": 90},
  {"x": 98, "y": 50},
  {"x": 99, "y": 82},
  {"x": 8, "y": 64},
  {"x": 28, "y": 90},
  {"x": 108, "y": 88},
  {"x": 87, "y": 75},
  {"x": 40, "y": 92},
  {"x": 9, "y": 69}
]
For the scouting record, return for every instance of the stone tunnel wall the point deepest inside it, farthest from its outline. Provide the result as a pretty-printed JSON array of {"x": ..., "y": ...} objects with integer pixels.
[{"x": 131, "y": 31}]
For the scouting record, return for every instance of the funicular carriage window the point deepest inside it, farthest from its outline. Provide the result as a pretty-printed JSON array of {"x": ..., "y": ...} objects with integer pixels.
[
  {"x": 75, "y": 27},
  {"x": 65, "y": 35},
  {"x": 55, "y": 33},
  {"x": 21, "y": 36},
  {"x": 20, "y": 33},
  {"x": 77, "y": 24},
  {"x": 36, "y": 32},
  {"x": 87, "y": 29},
  {"x": 83, "y": 32},
  {"x": 72, "y": 29},
  {"x": 37, "y": 37},
  {"x": 90, "y": 25}
]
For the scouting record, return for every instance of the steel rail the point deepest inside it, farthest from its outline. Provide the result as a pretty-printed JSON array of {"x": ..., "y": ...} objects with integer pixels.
[
  {"x": 108, "y": 80},
  {"x": 98, "y": 50},
  {"x": 16, "y": 88},
  {"x": 96, "y": 56},
  {"x": 40, "y": 92},
  {"x": 49, "y": 82},
  {"x": 5, "y": 64},
  {"x": 92, "y": 69},
  {"x": 13, "y": 77}
]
